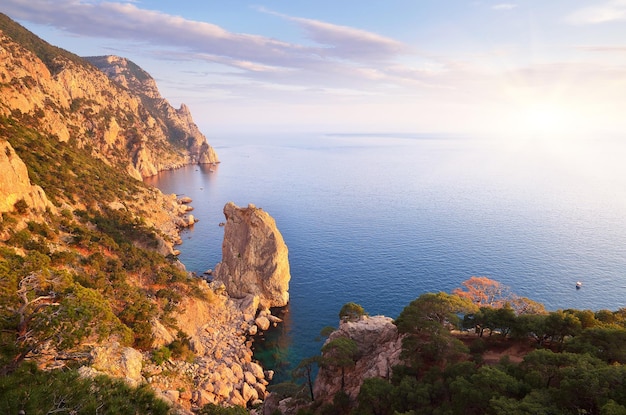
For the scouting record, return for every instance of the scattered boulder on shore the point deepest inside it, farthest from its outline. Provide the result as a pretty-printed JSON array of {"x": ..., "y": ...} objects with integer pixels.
[{"x": 254, "y": 257}]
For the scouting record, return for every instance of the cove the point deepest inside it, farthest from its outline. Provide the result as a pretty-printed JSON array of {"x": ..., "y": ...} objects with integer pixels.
[{"x": 379, "y": 219}]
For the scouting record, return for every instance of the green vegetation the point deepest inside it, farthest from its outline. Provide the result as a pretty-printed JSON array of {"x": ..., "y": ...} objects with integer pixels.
[
  {"x": 79, "y": 277},
  {"x": 560, "y": 362},
  {"x": 351, "y": 312},
  {"x": 65, "y": 172},
  {"x": 37, "y": 392}
]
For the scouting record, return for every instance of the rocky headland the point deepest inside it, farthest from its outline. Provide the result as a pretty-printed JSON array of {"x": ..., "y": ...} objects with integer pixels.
[
  {"x": 378, "y": 348},
  {"x": 115, "y": 111}
]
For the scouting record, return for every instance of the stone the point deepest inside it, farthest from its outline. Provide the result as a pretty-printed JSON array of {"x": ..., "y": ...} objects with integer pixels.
[
  {"x": 237, "y": 372},
  {"x": 222, "y": 389},
  {"x": 117, "y": 361},
  {"x": 205, "y": 398},
  {"x": 15, "y": 184},
  {"x": 260, "y": 389},
  {"x": 248, "y": 306},
  {"x": 249, "y": 378},
  {"x": 256, "y": 370},
  {"x": 254, "y": 257},
  {"x": 262, "y": 322},
  {"x": 249, "y": 393},
  {"x": 253, "y": 330},
  {"x": 172, "y": 395},
  {"x": 236, "y": 398}
]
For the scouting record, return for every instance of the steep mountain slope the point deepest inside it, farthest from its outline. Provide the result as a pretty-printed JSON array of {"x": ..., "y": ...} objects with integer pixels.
[
  {"x": 89, "y": 280},
  {"x": 123, "y": 121}
]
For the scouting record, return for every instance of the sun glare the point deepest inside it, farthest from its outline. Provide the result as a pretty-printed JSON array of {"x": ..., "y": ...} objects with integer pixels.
[{"x": 542, "y": 119}]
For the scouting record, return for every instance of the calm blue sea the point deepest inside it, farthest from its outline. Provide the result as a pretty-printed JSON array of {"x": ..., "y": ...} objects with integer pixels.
[{"x": 380, "y": 219}]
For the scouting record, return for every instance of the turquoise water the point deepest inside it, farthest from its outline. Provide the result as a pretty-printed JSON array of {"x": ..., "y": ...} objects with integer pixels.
[{"x": 381, "y": 219}]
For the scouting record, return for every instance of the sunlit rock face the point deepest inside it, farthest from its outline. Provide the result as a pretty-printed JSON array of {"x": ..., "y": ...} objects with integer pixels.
[
  {"x": 15, "y": 184},
  {"x": 254, "y": 257},
  {"x": 110, "y": 106}
]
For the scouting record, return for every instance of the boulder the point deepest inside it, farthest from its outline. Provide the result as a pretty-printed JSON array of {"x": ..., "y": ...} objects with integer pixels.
[
  {"x": 262, "y": 323},
  {"x": 256, "y": 370},
  {"x": 117, "y": 361},
  {"x": 248, "y": 393},
  {"x": 249, "y": 378},
  {"x": 254, "y": 257}
]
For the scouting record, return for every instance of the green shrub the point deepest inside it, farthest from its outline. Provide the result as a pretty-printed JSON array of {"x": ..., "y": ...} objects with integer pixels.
[
  {"x": 161, "y": 354},
  {"x": 21, "y": 207},
  {"x": 351, "y": 312},
  {"x": 37, "y": 392}
]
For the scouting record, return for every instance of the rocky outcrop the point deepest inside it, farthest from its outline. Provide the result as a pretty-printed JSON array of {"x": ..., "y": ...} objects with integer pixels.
[
  {"x": 123, "y": 121},
  {"x": 378, "y": 350},
  {"x": 178, "y": 124},
  {"x": 15, "y": 184},
  {"x": 254, "y": 257}
]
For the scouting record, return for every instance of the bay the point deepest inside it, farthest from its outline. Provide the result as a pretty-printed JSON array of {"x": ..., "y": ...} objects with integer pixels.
[{"x": 379, "y": 219}]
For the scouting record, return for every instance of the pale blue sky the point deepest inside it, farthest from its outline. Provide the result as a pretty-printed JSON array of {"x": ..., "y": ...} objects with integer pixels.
[{"x": 529, "y": 67}]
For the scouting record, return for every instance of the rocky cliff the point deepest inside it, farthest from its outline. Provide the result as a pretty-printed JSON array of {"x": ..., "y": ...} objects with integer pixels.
[
  {"x": 122, "y": 120},
  {"x": 86, "y": 250},
  {"x": 254, "y": 257},
  {"x": 15, "y": 184},
  {"x": 377, "y": 350}
]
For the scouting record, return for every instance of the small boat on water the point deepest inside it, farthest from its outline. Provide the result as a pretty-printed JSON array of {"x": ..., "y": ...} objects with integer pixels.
[{"x": 579, "y": 284}]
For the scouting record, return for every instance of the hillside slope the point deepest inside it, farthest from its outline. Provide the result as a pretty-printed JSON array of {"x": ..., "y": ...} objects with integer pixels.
[
  {"x": 118, "y": 120},
  {"x": 89, "y": 279}
]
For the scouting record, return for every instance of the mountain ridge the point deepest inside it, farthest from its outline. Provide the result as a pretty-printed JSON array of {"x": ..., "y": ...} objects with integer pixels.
[{"x": 128, "y": 125}]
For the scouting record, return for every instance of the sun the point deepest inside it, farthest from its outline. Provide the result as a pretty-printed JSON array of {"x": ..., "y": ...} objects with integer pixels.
[{"x": 544, "y": 119}]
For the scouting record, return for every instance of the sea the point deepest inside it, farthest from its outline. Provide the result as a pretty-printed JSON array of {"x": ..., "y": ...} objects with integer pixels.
[{"x": 379, "y": 219}]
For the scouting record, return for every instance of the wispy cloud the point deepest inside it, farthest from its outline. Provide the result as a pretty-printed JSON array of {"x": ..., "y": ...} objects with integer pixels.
[
  {"x": 345, "y": 41},
  {"x": 129, "y": 22},
  {"x": 338, "y": 52},
  {"x": 504, "y": 6},
  {"x": 611, "y": 11}
]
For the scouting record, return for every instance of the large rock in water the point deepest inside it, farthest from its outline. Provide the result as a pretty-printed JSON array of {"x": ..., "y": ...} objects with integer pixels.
[{"x": 254, "y": 257}]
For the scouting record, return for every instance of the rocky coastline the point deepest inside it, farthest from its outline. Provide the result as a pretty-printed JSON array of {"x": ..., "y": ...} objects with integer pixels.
[{"x": 219, "y": 326}]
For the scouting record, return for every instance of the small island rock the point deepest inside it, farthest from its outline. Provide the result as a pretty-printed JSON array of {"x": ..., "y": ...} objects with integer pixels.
[{"x": 254, "y": 257}]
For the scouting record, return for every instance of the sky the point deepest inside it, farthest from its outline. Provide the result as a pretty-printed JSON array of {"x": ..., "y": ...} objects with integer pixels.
[{"x": 530, "y": 67}]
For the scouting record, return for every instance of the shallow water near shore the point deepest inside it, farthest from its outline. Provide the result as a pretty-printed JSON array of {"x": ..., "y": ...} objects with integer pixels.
[{"x": 380, "y": 219}]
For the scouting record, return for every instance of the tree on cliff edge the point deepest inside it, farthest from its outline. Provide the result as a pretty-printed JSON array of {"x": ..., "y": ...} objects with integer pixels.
[{"x": 341, "y": 353}]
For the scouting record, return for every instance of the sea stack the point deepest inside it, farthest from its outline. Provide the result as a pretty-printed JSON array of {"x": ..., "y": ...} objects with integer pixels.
[{"x": 254, "y": 257}]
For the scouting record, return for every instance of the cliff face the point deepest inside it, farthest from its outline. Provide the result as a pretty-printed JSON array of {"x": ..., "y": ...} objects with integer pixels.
[
  {"x": 15, "y": 184},
  {"x": 254, "y": 257},
  {"x": 177, "y": 124},
  {"x": 378, "y": 349},
  {"x": 123, "y": 121}
]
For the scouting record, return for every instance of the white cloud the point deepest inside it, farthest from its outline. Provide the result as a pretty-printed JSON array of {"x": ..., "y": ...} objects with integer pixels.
[
  {"x": 504, "y": 6},
  {"x": 343, "y": 55},
  {"x": 345, "y": 41},
  {"x": 608, "y": 12}
]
